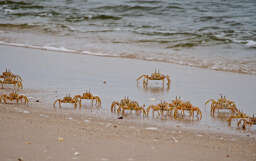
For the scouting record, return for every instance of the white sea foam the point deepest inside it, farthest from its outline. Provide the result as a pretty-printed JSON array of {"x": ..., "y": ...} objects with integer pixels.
[
  {"x": 251, "y": 44},
  {"x": 6, "y": 11},
  {"x": 52, "y": 48},
  {"x": 94, "y": 53}
]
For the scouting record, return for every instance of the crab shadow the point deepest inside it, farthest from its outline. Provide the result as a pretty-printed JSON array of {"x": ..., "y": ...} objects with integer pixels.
[{"x": 154, "y": 90}]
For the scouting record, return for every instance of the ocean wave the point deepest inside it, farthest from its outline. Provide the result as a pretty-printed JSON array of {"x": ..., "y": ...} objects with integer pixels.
[
  {"x": 164, "y": 33},
  {"x": 103, "y": 17},
  {"x": 184, "y": 39},
  {"x": 34, "y": 13},
  {"x": 8, "y": 11},
  {"x": 174, "y": 7},
  {"x": 185, "y": 45},
  {"x": 251, "y": 44},
  {"x": 217, "y": 63},
  {"x": 18, "y": 26},
  {"x": 125, "y": 8},
  {"x": 80, "y": 18},
  {"x": 6, "y": 2},
  {"x": 20, "y": 5},
  {"x": 145, "y": 1},
  {"x": 212, "y": 18},
  {"x": 43, "y": 28}
]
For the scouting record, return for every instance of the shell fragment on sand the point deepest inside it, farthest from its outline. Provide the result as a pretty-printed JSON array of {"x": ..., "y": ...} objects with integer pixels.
[
  {"x": 43, "y": 115},
  {"x": 151, "y": 128},
  {"x": 152, "y": 99},
  {"x": 86, "y": 121},
  {"x": 76, "y": 153},
  {"x": 174, "y": 139},
  {"x": 60, "y": 139},
  {"x": 26, "y": 112}
]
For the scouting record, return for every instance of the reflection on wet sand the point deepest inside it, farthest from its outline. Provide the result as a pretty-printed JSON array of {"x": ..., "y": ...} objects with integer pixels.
[
  {"x": 223, "y": 116},
  {"x": 154, "y": 90}
]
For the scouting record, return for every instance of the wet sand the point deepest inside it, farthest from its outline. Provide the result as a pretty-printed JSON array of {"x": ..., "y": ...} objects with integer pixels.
[{"x": 98, "y": 134}]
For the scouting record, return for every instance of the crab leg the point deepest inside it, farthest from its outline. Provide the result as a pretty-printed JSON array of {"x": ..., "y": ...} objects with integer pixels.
[
  {"x": 114, "y": 103},
  {"x": 168, "y": 81},
  {"x": 140, "y": 77},
  {"x": 54, "y": 103}
]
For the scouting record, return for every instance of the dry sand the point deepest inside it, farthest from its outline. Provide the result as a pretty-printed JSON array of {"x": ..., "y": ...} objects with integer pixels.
[{"x": 32, "y": 132}]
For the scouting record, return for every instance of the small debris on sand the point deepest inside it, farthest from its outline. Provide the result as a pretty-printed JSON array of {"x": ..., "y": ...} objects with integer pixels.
[
  {"x": 26, "y": 112},
  {"x": 174, "y": 139},
  {"x": 151, "y": 128},
  {"x": 104, "y": 159},
  {"x": 37, "y": 100},
  {"x": 121, "y": 117},
  {"x": 76, "y": 153},
  {"x": 43, "y": 115},
  {"x": 60, "y": 139},
  {"x": 20, "y": 159},
  {"x": 86, "y": 121},
  {"x": 152, "y": 99}
]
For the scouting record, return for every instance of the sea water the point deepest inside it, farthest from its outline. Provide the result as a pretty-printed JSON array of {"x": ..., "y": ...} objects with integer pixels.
[{"x": 213, "y": 34}]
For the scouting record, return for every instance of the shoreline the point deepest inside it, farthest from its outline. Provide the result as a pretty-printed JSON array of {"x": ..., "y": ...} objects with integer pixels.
[{"x": 129, "y": 57}]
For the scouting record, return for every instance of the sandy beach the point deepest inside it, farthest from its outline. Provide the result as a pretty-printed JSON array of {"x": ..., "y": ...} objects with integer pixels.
[
  {"x": 38, "y": 132},
  {"x": 33, "y": 134}
]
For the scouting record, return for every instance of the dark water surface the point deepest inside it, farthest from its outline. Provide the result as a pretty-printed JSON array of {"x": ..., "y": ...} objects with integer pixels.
[{"x": 214, "y": 34}]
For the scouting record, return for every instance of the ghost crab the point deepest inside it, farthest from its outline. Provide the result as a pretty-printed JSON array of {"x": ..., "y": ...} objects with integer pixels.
[
  {"x": 88, "y": 96},
  {"x": 222, "y": 104},
  {"x": 66, "y": 99},
  {"x": 187, "y": 106},
  {"x": 9, "y": 74},
  {"x": 243, "y": 119},
  {"x": 247, "y": 121},
  {"x": 124, "y": 101},
  {"x": 162, "y": 107},
  {"x": 9, "y": 80},
  {"x": 127, "y": 104},
  {"x": 175, "y": 103},
  {"x": 13, "y": 96},
  {"x": 154, "y": 76}
]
